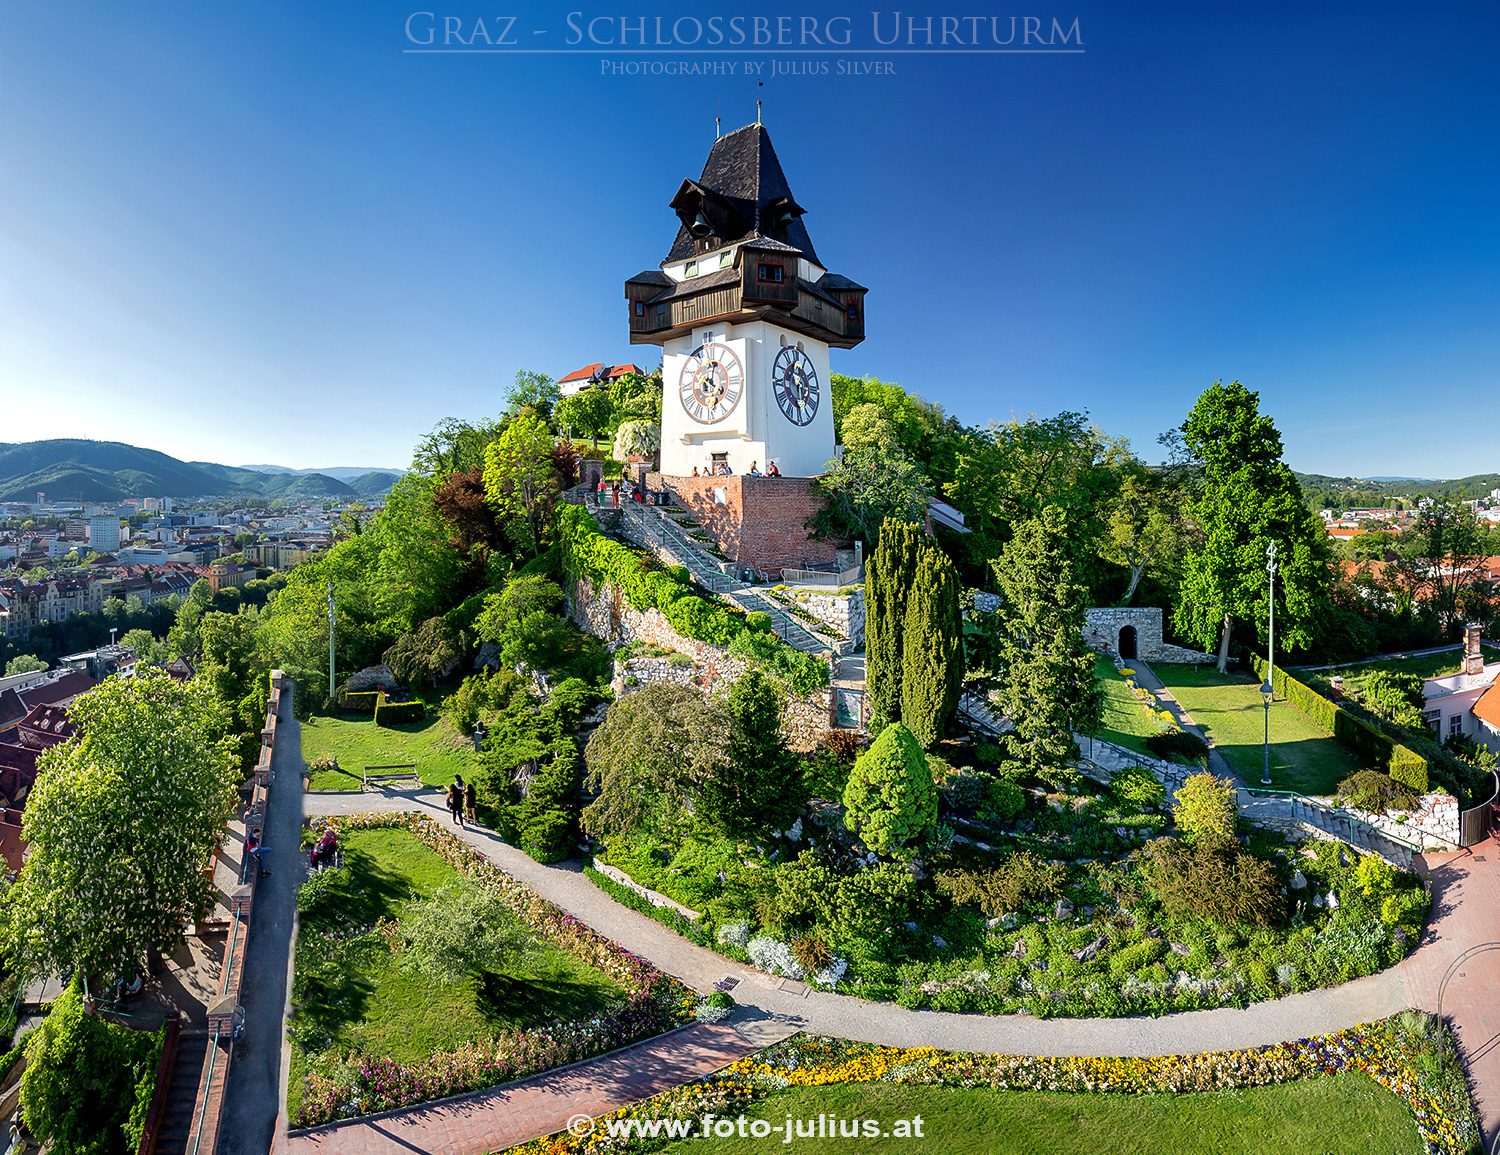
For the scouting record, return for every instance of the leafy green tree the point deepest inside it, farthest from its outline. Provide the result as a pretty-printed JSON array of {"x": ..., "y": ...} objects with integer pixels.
[
  {"x": 588, "y": 411},
  {"x": 148, "y": 651},
  {"x": 417, "y": 569},
  {"x": 24, "y": 664},
  {"x": 522, "y": 619},
  {"x": 890, "y": 800},
  {"x": 763, "y": 790},
  {"x": 534, "y": 391},
  {"x": 931, "y": 651},
  {"x": 651, "y": 755},
  {"x": 636, "y": 397},
  {"x": 120, "y": 824},
  {"x": 463, "y": 928},
  {"x": 547, "y": 818},
  {"x": 431, "y": 651},
  {"x": 229, "y": 654},
  {"x": 1146, "y": 528},
  {"x": 851, "y": 911},
  {"x": 889, "y": 574},
  {"x": 454, "y": 446},
  {"x": 88, "y": 1081},
  {"x": 637, "y": 439},
  {"x": 1250, "y": 499},
  {"x": 1047, "y": 686},
  {"x": 867, "y": 427},
  {"x": 865, "y": 488},
  {"x": 1206, "y": 809},
  {"x": 518, "y": 477}
]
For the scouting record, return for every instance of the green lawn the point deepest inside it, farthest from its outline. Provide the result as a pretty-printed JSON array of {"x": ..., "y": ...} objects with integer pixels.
[
  {"x": 1125, "y": 721},
  {"x": 363, "y": 1000},
  {"x": 1331, "y": 1116},
  {"x": 439, "y": 751},
  {"x": 1304, "y": 757}
]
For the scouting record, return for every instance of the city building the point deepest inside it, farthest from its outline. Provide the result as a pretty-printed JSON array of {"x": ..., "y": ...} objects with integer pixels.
[
  {"x": 104, "y": 533},
  {"x": 595, "y": 376}
]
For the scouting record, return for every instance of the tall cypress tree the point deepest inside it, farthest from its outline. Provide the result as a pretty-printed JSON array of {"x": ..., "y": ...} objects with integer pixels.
[
  {"x": 889, "y": 575},
  {"x": 932, "y": 651}
]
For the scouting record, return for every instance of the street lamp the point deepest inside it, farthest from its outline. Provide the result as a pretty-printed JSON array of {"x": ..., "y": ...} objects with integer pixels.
[{"x": 1266, "y": 693}]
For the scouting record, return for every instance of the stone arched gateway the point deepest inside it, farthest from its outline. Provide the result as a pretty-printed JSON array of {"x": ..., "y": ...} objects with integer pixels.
[{"x": 1131, "y": 632}]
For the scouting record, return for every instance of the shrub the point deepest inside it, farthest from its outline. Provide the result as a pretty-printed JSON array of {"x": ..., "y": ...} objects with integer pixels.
[
  {"x": 88, "y": 1082},
  {"x": 463, "y": 927},
  {"x": 890, "y": 800},
  {"x": 395, "y": 713},
  {"x": 1206, "y": 810},
  {"x": 811, "y": 952},
  {"x": 1374, "y": 876},
  {"x": 1372, "y": 790},
  {"x": 758, "y": 622},
  {"x": 1222, "y": 884},
  {"x": 962, "y": 789},
  {"x": 1405, "y": 906},
  {"x": 1177, "y": 744},
  {"x": 361, "y": 701},
  {"x": 1137, "y": 955},
  {"x": 546, "y": 835},
  {"x": 844, "y": 745},
  {"x": 1136, "y": 788},
  {"x": 1021, "y": 879},
  {"x": 1002, "y": 801},
  {"x": 1395, "y": 697}
]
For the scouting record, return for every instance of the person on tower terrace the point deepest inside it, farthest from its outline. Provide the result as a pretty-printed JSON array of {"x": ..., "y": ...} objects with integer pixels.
[
  {"x": 754, "y": 472},
  {"x": 771, "y": 470}
]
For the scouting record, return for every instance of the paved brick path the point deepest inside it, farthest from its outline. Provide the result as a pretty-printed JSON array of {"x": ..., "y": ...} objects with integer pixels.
[
  {"x": 1465, "y": 913},
  {"x": 504, "y": 1116}
]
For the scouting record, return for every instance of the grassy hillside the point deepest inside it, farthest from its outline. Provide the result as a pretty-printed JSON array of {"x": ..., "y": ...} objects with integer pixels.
[{"x": 77, "y": 470}]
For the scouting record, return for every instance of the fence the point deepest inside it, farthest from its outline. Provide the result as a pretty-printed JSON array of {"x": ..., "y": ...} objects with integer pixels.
[
  {"x": 809, "y": 577},
  {"x": 1475, "y": 825}
]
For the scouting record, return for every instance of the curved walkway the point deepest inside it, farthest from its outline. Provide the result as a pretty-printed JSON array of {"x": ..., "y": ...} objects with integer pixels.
[{"x": 770, "y": 1008}]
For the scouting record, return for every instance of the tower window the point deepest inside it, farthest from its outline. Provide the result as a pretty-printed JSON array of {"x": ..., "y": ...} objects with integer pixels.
[
  {"x": 770, "y": 273},
  {"x": 692, "y": 269},
  {"x": 661, "y": 310},
  {"x": 724, "y": 259},
  {"x": 853, "y": 311},
  {"x": 640, "y": 308}
]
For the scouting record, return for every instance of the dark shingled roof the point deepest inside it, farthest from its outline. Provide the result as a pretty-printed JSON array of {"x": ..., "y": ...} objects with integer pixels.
[
  {"x": 650, "y": 277},
  {"x": 695, "y": 285},
  {"x": 835, "y": 281},
  {"x": 743, "y": 169}
]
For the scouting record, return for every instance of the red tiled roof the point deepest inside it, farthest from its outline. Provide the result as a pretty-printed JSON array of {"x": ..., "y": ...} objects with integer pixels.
[
  {"x": 1487, "y": 709},
  {"x": 581, "y": 374}
]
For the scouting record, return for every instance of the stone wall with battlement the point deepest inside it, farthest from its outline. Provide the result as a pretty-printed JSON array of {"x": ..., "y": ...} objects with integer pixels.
[
  {"x": 755, "y": 521},
  {"x": 608, "y": 615}
]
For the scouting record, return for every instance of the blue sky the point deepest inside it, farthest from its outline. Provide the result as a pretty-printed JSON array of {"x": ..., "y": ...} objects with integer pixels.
[{"x": 268, "y": 233}]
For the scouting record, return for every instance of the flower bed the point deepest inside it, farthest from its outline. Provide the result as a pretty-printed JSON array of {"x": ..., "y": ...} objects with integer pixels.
[
  {"x": 1398, "y": 1053},
  {"x": 655, "y": 1001}
]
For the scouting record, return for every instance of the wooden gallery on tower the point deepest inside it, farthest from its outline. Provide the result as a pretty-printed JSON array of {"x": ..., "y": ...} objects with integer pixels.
[{"x": 745, "y": 314}]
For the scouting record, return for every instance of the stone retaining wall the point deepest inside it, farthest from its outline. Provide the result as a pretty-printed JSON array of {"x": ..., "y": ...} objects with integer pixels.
[
  {"x": 655, "y": 898},
  {"x": 608, "y": 614},
  {"x": 844, "y": 612}
]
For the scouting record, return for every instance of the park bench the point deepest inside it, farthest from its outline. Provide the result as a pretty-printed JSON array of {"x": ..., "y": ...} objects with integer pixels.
[{"x": 379, "y": 779}]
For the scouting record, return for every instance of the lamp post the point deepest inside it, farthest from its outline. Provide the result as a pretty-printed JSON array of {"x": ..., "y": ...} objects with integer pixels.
[
  {"x": 1265, "y": 694},
  {"x": 1268, "y": 688},
  {"x": 330, "y": 644}
]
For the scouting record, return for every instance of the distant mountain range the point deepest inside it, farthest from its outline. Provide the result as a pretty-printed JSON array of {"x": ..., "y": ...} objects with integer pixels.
[
  {"x": 72, "y": 470},
  {"x": 341, "y": 472}
]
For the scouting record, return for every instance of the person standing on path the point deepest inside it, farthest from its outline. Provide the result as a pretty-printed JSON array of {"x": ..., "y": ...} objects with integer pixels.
[
  {"x": 471, "y": 798},
  {"x": 456, "y": 802}
]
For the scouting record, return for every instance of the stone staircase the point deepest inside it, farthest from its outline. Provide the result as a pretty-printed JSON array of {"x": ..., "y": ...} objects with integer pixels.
[
  {"x": 652, "y": 527},
  {"x": 181, "y": 1114},
  {"x": 979, "y": 714},
  {"x": 1280, "y": 809}
]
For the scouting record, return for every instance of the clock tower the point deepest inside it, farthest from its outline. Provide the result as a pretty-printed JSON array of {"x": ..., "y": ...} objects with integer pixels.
[{"x": 745, "y": 313}]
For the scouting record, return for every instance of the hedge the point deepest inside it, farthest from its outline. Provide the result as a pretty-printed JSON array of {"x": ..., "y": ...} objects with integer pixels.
[
  {"x": 1406, "y": 766},
  {"x": 362, "y": 701},
  {"x": 394, "y": 713}
]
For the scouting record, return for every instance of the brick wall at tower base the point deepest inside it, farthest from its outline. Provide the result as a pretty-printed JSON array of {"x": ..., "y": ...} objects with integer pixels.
[
  {"x": 761, "y": 521},
  {"x": 608, "y": 615}
]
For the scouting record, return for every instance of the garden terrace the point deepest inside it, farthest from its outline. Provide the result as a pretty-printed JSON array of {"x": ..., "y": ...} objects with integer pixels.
[
  {"x": 1229, "y": 710},
  {"x": 369, "y": 1032},
  {"x": 439, "y": 751}
]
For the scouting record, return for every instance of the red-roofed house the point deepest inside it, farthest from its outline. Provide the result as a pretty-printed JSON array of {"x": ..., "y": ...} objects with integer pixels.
[
  {"x": 45, "y": 727},
  {"x": 598, "y": 374},
  {"x": 60, "y": 691}
]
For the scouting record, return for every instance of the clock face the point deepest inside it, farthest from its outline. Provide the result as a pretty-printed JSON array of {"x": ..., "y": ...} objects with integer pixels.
[
  {"x": 711, "y": 384},
  {"x": 795, "y": 384}
]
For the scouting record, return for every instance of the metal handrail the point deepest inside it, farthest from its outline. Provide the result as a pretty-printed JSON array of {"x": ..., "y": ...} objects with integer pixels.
[
  {"x": 213, "y": 1058},
  {"x": 1313, "y": 803}
]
